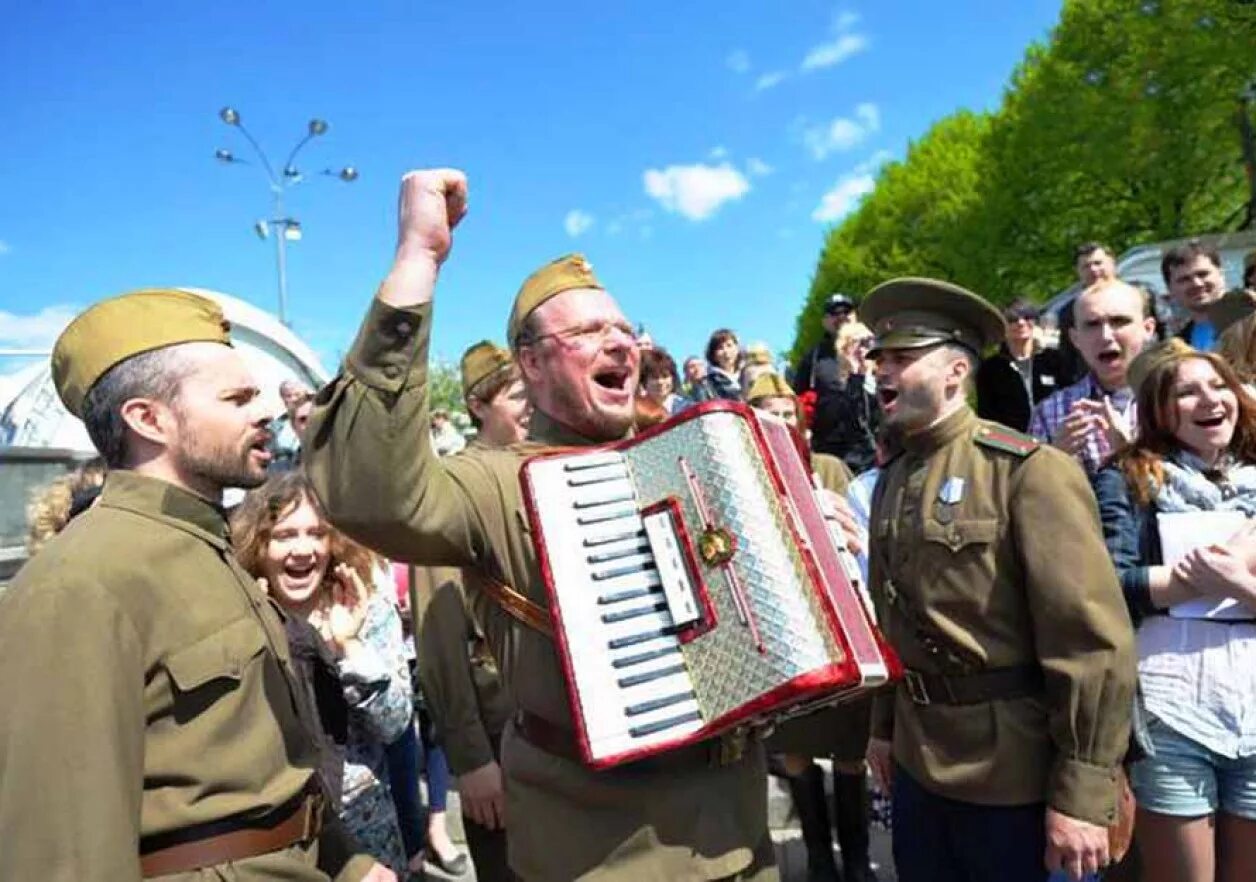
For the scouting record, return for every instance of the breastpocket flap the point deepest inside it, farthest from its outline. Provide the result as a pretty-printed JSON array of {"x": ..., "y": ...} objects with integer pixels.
[
  {"x": 959, "y": 533},
  {"x": 222, "y": 655}
]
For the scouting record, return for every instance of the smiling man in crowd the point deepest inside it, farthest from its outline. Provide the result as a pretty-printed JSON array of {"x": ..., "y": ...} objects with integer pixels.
[
  {"x": 1196, "y": 282},
  {"x": 1112, "y": 323},
  {"x": 693, "y": 813}
]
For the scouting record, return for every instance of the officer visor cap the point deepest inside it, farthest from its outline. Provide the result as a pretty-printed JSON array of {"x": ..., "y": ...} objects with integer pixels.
[
  {"x": 114, "y": 330},
  {"x": 914, "y": 313}
]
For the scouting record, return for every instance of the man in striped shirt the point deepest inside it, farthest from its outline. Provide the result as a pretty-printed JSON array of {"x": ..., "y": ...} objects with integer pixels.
[{"x": 1113, "y": 322}]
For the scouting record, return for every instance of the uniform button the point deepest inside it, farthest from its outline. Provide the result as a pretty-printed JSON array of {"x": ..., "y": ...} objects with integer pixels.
[{"x": 392, "y": 372}]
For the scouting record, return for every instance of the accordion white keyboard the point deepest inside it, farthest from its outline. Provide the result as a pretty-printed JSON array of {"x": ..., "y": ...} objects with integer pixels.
[{"x": 631, "y": 680}]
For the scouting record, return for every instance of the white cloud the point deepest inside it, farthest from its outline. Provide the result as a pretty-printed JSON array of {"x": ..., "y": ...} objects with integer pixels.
[
  {"x": 5, "y": 248},
  {"x": 849, "y": 190},
  {"x": 843, "y": 133},
  {"x": 577, "y": 222},
  {"x": 738, "y": 61},
  {"x": 35, "y": 331},
  {"x": 835, "y": 51},
  {"x": 845, "y": 21},
  {"x": 719, "y": 153},
  {"x": 695, "y": 191},
  {"x": 770, "y": 80},
  {"x": 757, "y": 168}
]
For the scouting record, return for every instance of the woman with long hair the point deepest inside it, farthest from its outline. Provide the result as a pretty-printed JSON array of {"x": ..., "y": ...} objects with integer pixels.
[
  {"x": 1194, "y": 461},
  {"x": 324, "y": 579}
]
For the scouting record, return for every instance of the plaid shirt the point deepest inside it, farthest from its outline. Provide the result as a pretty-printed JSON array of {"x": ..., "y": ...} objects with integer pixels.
[{"x": 1050, "y": 413}]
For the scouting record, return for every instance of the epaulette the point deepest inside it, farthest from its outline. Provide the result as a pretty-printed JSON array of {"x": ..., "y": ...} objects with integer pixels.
[{"x": 1007, "y": 440}]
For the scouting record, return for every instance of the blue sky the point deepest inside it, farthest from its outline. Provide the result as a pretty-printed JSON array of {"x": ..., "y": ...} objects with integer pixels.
[{"x": 695, "y": 152}]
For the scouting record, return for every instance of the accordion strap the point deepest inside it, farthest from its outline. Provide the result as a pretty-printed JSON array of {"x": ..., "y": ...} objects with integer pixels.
[{"x": 518, "y": 607}]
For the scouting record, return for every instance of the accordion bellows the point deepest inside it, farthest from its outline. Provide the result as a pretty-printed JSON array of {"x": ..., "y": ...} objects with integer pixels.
[{"x": 695, "y": 584}]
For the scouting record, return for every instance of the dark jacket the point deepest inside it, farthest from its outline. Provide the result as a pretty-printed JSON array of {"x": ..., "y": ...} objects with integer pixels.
[
  {"x": 845, "y": 424},
  {"x": 320, "y": 679},
  {"x": 1001, "y": 391},
  {"x": 846, "y": 415},
  {"x": 1132, "y": 537},
  {"x": 717, "y": 385},
  {"x": 818, "y": 368}
]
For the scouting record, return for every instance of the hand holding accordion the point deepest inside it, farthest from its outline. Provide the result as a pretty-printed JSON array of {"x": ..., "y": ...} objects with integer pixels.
[{"x": 696, "y": 585}]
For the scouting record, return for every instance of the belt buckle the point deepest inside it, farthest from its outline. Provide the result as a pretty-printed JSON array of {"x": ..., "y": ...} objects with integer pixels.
[
  {"x": 915, "y": 684},
  {"x": 313, "y": 823}
]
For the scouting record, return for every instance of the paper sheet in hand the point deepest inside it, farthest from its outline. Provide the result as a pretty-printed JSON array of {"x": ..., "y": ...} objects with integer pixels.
[{"x": 1182, "y": 532}]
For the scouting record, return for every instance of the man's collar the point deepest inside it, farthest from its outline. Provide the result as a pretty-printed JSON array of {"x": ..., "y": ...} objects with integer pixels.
[
  {"x": 941, "y": 433},
  {"x": 547, "y": 430},
  {"x": 154, "y": 498}
]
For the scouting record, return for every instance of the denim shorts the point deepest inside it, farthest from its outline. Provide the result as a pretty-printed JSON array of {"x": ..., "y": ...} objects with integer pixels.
[{"x": 1182, "y": 778}]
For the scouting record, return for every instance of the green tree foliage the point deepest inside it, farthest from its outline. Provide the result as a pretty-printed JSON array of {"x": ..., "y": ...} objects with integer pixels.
[
  {"x": 1121, "y": 129},
  {"x": 445, "y": 387}
]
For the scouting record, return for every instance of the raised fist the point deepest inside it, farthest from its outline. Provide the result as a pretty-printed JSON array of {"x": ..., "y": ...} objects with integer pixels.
[{"x": 431, "y": 203}]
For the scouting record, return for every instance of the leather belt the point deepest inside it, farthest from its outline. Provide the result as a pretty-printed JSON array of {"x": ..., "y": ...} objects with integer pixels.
[
  {"x": 1020, "y": 681},
  {"x": 301, "y": 825},
  {"x": 560, "y": 741}
]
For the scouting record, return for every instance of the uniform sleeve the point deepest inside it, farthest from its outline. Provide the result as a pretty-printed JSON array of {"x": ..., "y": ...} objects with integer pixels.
[
  {"x": 448, "y": 684},
  {"x": 369, "y": 452},
  {"x": 71, "y": 734},
  {"x": 1082, "y": 632},
  {"x": 377, "y": 680}
]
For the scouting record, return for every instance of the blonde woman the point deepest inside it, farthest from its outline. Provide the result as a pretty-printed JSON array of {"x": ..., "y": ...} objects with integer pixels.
[{"x": 846, "y": 418}]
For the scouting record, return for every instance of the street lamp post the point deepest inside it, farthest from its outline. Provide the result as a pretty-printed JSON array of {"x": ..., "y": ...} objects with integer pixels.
[{"x": 280, "y": 225}]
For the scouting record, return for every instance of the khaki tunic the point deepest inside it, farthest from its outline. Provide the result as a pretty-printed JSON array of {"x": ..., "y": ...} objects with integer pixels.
[
  {"x": 840, "y": 732},
  {"x": 373, "y": 466},
  {"x": 1013, "y": 572},
  {"x": 461, "y": 685},
  {"x": 146, "y": 688}
]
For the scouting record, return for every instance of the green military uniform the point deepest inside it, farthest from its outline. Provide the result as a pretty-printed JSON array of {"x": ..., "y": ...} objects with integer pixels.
[
  {"x": 146, "y": 683},
  {"x": 374, "y": 468},
  {"x": 992, "y": 582}
]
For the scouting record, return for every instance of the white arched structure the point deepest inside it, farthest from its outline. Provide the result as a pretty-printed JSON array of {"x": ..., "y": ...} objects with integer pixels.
[{"x": 31, "y": 414}]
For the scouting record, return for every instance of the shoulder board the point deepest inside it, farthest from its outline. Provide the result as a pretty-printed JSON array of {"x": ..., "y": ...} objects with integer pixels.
[{"x": 1006, "y": 440}]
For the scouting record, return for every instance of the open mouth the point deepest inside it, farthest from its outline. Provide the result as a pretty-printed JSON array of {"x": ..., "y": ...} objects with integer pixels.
[
  {"x": 261, "y": 446},
  {"x": 299, "y": 571},
  {"x": 1211, "y": 422},
  {"x": 615, "y": 379},
  {"x": 1110, "y": 356},
  {"x": 886, "y": 395}
]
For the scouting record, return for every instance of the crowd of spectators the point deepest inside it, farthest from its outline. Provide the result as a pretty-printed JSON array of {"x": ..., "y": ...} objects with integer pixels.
[{"x": 1164, "y": 430}]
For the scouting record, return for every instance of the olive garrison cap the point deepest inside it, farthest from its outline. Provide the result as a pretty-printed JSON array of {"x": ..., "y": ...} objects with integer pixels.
[
  {"x": 1153, "y": 356},
  {"x": 769, "y": 386},
  {"x": 564, "y": 274},
  {"x": 913, "y": 313},
  {"x": 114, "y": 330},
  {"x": 480, "y": 362}
]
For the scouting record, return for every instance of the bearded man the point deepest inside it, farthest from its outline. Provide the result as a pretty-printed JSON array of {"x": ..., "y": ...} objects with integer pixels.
[
  {"x": 152, "y": 722},
  {"x": 693, "y": 813}
]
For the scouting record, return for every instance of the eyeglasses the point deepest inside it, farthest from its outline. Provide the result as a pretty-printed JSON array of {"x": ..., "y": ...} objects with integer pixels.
[{"x": 590, "y": 333}]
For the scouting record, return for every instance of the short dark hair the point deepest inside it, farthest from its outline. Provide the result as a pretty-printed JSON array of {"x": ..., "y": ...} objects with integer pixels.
[
  {"x": 1021, "y": 307},
  {"x": 717, "y": 340},
  {"x": 158, "y": 375},
  {"x": 658, "y": 363},
  {"x": 1187, "y": 253},
  {"x": 1088, "y": 248}
]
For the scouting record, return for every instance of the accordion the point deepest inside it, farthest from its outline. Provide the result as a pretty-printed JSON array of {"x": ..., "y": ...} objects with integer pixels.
[{"x": 695, "y": 584}]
